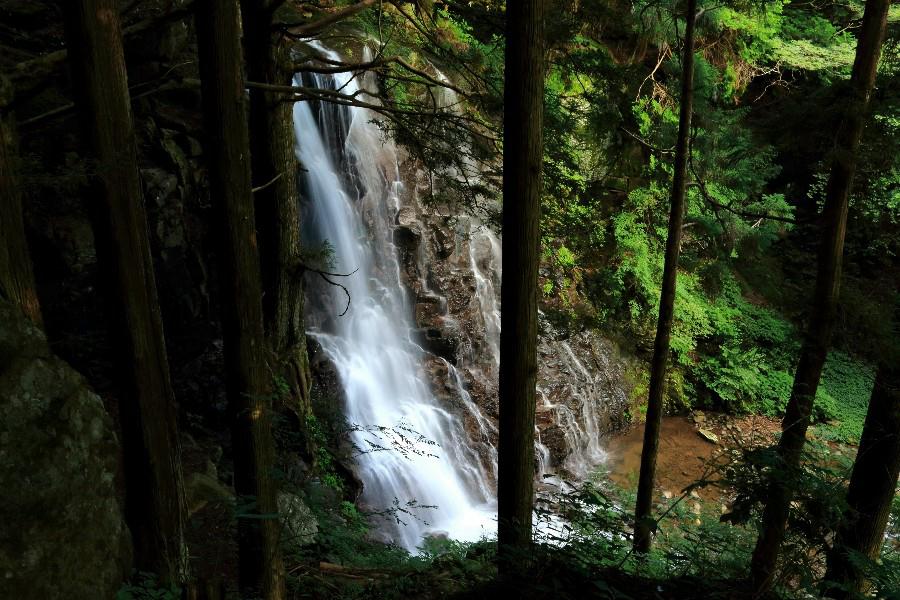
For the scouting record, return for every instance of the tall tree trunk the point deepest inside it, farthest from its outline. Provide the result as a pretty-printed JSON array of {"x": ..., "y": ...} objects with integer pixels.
[
  {"x": 522, "y": 160},
  {"x": 824, "y": 301},
  {"x": 872, "y": 486},
  {"x": 16, "y": 273},
  {"x": 277, "y": 202},
  {"x": 154, "y": 505},
  {"x": 248, "y": 380},
  {"x": 644, "y": 524}
]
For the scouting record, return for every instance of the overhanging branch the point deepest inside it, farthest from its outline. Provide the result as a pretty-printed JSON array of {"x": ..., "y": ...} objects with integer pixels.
[
  {"x": 307, "y": 93},
  {"x": 325, "y": 276},
  {"x": 303, "y": 30},
  {"x": 698, "y": 183},
  {"x": 337, "y": 67}
]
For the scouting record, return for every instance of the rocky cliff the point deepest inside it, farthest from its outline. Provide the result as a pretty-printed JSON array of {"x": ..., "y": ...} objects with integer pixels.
[{"x": 451, "y": 263}]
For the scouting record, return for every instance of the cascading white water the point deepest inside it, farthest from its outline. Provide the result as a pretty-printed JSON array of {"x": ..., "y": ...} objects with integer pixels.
[
  {"x": 351, "y": 202},
  {"x": 485, "y": 261},
  {"x": 579, "y": 425},
  {"x": 581, "y": 429}
]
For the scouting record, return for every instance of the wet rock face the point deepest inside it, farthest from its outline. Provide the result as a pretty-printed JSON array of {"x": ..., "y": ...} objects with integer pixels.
[
  {"x": 582, "y": 395},
  {"x": 451, "y": 264},
  {"x": 438, "y": 262},
  {"x": 64, "y": 535}
]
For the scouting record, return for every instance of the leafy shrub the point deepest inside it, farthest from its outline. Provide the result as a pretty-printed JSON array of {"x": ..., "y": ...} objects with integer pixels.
[
  {"x": 146, "y": 586},
  {"x": 843, "y": 396}
]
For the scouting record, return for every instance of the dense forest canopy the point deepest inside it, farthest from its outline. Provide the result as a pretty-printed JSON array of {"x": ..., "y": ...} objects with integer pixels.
[{"x": 253, "y": 337}]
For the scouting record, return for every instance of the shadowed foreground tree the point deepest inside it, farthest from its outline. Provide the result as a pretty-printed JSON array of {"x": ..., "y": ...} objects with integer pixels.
[
  {"x": 824, "y": 301},
  {"x": 16, "y": 272},
  {"x": 248, "y": 382},
  {"x": 154, "y": 505},
  {"x": 644, "y": 524},
  {"x": 522, "y": 157},
  {"x": 277, "y": 200},
  {"x": 872, "y": 488}
]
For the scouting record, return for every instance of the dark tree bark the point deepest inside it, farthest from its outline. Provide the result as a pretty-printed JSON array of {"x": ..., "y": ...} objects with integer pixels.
[
  {"x": 522, "y": 157},
  {"x": 824, "y": 301},
  {"x": 154, "y": 502},
  {"x": 873, "y": 484},
  {"x": 277, "y": 202},
  {"x": 261, "y": 572},
  {"x": 644, "y": 524},
  {"x": 16, "y": 272}
]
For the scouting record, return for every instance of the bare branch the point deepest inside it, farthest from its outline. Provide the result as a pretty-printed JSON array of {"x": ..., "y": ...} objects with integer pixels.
[
  {"x": 325, "y": 275},
  {"x": 30, "y": 74},
  {"x": 698, "y": 183},
  {"x": 268, "y": 183},
  {"x": 311, "y": 29},
  {"x": 339, "y": 67},
  {"x": 307, "y": 93},
  {"x": 68, "y": 107},
  {"x": 647, "y": 144}
]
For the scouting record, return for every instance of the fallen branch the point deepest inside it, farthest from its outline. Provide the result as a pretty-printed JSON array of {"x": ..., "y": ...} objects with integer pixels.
[
  {"x": 354, "y": 572},
  {"x": 333, "y": 569}
]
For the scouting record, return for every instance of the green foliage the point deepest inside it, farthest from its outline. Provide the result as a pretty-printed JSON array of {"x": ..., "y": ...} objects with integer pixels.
[
  {"x": 691, "y": 540},
  {"x": 320, "y": 257},
  {"x": 146, "y": 586},
  {"x": 734, "y": 342},
  {"x": 442, "y": 567},
  {"x": 819, "y": 503},
  {"x": 843, "y": 396},
  {"x": 324, "y": 459},
  {"x": 788, "y": 36}
]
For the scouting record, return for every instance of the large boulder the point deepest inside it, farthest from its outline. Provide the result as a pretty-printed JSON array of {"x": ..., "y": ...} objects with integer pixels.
[
  {"x": 62, "y": 533},
  {"x": 300, "y": 525}
]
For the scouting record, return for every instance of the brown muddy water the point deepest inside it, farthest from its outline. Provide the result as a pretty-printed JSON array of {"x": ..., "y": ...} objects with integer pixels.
[{"x": 683, "y": 455}]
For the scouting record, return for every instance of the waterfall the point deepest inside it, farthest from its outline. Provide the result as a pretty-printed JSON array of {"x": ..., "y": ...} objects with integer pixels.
[
  {"x": 485, "y": 261},
  {"x": 414, "y": 456}
]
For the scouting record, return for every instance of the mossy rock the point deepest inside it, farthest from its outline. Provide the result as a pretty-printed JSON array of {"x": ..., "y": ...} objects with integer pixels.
[{"x": 64, "y": 535}]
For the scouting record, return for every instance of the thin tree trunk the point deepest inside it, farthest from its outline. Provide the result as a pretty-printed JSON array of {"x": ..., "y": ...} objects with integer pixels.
[
  {"x": 277, "y": 203},
  {"x": 873, "y": 484},
  {"x": 155, "y": 505},
  {"x": 16, "y": 273},
  {"x": 261, "y": 571},
  {"x": 644, "y": 524},
  {"x": 522, "y": 159},
  {"x": 824, "y": 301}
]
